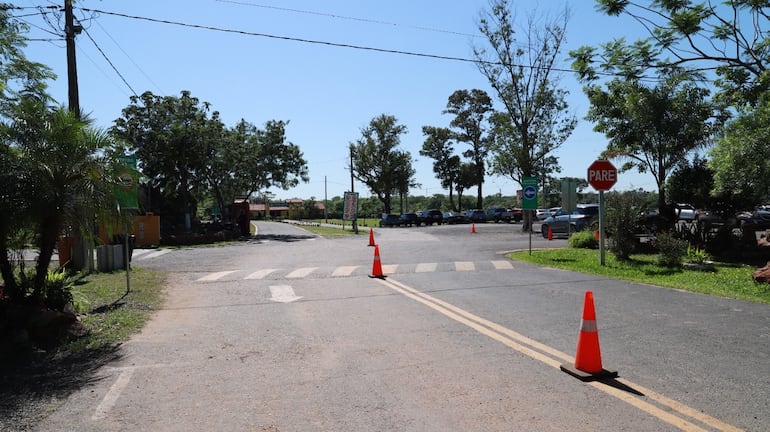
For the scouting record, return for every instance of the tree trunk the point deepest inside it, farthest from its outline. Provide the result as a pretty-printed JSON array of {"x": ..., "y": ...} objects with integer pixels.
[
  {"x": 49, "y": 233},
  {"x": 11, "y": 287}
]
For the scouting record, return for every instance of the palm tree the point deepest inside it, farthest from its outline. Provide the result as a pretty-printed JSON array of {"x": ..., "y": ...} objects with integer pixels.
[{"x": 64, "y": 167}]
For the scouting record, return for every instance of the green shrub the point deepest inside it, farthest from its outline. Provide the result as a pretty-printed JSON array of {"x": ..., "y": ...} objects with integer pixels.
[
  {"x": 621, "y": 218},
  {"x": 583, "y": 240},
  {"x": 696, "y": 255},
  {"x": 671, "y": 250},
  {"x": 58, "y": 290}
]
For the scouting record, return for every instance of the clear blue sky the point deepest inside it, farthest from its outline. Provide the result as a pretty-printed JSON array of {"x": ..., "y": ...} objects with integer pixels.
[{"x": 327, "y": 93}]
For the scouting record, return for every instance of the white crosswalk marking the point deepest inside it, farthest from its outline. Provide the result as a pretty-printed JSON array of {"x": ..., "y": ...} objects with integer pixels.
[
  {"x": 347, "y": 271},
  {"x": 154, "y": 254},
  {"x": 390, "y": 268},
  {"x": 426, "y": 267},
  {"x": 301, "y": 272},
  {"x": 465, "y": 266},
  {"x": 139, "y": 252},
  {"x": 502, "y": 265},
  {"x": 260, "y": 274},
  {"x": 215, "y": 276},
  {"x": 344, "y": 271}
]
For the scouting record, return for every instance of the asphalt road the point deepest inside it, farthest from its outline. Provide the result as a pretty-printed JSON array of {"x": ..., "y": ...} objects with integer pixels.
[{"x": 289, "y": 333}]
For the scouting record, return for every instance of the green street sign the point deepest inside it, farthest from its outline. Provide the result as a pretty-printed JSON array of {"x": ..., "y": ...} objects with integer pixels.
[
  {"x": 126, "y": 184},
  {"x": 529, "y": 193}
]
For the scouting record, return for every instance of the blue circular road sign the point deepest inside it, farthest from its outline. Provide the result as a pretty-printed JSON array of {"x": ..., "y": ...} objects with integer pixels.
[{"x": 530, "y": 192}]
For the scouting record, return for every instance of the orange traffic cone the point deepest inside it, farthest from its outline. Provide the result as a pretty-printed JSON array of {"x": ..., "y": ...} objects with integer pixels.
[
  {"x": 377, "y": 265},
  {"x": 588, "y": 359},
  {"x": 473, "y": 228},
  {"x": 371, "y": 237},
  {"x": 550, "y": 233}
]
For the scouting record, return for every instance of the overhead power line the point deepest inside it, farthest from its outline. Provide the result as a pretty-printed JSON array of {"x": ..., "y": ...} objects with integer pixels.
[
  {"x": 343, "y": 17},
  {"x": 112, "y": 65},
  {"x": 341, "y": 45},
  {"x": 287, "y": 38}
]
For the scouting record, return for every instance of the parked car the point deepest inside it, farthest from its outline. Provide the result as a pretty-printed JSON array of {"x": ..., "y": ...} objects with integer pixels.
[
  {"x": 685, "y": 212},
  {"x": 542, "y": 213},
  {"x": 431, "y": 216},
  {"x": 518, "y": 214},
  {"x": 453, "y": 217},
  {"x": 390, "y": 220},
  {"x": 758, "y": 219},
  {"x": 708, "y": 218},
  {"x": 648, "y": 222},
  {"x": 563, "y": 222},
  {"x": 476, "y": 215},
  {"x": 410, "y": 219},
  {"x": 497, "y": 214}
]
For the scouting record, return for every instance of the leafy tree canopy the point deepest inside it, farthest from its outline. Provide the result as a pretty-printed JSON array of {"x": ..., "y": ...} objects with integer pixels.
[
  {"x": 446, "y": 165},
  {"x": 653, "y": 129},
  {"x": 377, "y": 161},
  {"x": 741, "y": 158},
  {"x": 729, "y": 38}
]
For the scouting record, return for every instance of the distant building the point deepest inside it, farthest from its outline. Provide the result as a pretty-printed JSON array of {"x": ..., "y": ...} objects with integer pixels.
[{"x": 289, "y": 209}]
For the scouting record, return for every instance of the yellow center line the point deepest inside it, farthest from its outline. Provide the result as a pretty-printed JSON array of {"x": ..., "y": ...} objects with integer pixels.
[{"x": 555, "y": 358}]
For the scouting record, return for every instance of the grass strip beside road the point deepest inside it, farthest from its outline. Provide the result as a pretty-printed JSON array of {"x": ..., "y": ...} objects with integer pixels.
[
  {"x": 111, "y": 314},
  {"x": 724, "y": 281}
]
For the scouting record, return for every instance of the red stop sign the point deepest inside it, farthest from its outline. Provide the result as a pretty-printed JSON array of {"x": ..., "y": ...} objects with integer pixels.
[{"x": 602, "y": 175}]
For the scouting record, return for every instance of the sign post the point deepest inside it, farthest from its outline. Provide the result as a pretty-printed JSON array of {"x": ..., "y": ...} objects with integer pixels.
[
  {"x": 126, "y": 191},
  {"x": 602, "y": 175}
]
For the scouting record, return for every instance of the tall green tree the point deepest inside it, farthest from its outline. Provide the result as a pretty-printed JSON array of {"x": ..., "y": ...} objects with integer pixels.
[
  {"x": 471, "y": 110},
  {"x": 20, "y": 78},
  {"x": 692, "y": 182},
  {"x": 652, "y": 129},
  {"x": 248, "y": 160},
  {"x": 728, "y": 37},
  {"x": 446, "y": 165},
  {"x": 524, "y": 76},
  {"x": 377, "y": 161},
  {"x": 174, "y": 138},
  {"x": 21, "y": 82},
  {"x": 466, "y": 179}
]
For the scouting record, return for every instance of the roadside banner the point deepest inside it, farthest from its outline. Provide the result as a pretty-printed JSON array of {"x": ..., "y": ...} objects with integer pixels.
[{"x": 350, "y": 210}]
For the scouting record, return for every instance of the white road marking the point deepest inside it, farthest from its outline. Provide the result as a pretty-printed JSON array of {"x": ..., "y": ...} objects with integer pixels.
[
  {"x": 215, "y": 276},
  {"x": 112, "y": 396},
  {"x": 465, "y": 266},
  {"x": 425, "y": 267},
  {"x": 502, "y": 265},
  {"x": 139, "y": 252},
  {"x": 344, "y": 271},
  {"x": 674, "y": 413},
  {"x": 283, "y": 294},
  {"x": 301, "y": 272},
  {"x": 260, "y": 274},
  {"x": 390, "y": 268},
  {"x": 154, "y": 254}
]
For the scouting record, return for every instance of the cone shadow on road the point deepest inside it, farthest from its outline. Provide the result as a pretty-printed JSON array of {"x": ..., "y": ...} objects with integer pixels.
[{"x": 613, "y": 382}]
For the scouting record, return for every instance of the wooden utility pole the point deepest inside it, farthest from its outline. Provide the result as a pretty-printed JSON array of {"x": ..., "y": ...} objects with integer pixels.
[
  {"x": 70, "y": 30},
  {"x": 82, "y": 249}
]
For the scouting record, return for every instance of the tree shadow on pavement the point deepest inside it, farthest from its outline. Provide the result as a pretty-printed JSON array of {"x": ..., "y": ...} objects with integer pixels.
[
  {"x": 34, "y": 385},
  {"x": 283, "y": 237}
]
